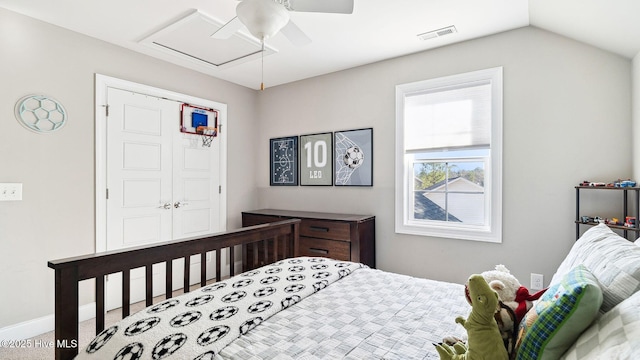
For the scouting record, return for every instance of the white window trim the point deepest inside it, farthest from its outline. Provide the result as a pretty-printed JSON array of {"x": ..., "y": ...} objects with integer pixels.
[{"x": 403, "y": 223}]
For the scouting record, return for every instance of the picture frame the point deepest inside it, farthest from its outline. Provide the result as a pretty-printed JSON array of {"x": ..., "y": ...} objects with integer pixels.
[
  {"x": 353, "y": 157},
  {"x": 316, "y": 160},
  {"x": 283, "y": 161}
]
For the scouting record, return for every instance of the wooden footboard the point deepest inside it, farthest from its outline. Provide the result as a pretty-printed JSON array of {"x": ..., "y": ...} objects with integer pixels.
[{"x": 281, "y": 236}]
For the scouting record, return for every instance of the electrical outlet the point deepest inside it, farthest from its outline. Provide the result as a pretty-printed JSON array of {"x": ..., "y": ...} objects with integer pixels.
[
  {"x": 10, "y": 191},
  {"x": 537, "y": 281}
]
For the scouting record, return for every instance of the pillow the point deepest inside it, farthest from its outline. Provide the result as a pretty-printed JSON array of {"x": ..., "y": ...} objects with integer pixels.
[
  {"x": 554, "y": 323},
  {"x": 592, "y": 236},
  {"x": 614, "y": 336},
  {"x": 637, "y": 242},
  {"x": 612, "y": 259}
]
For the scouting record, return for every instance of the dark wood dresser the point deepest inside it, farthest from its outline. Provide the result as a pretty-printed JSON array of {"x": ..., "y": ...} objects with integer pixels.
[{"x": 337, "y": 236}]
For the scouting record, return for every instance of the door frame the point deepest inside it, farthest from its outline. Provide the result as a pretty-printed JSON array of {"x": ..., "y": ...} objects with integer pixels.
[{"x": 102, "y": 82}]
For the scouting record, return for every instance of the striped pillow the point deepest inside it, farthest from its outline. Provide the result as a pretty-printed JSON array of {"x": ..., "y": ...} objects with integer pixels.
[
  {"x": 614, "y": 336},
  {"x": 554, "y": 323},
  {"x": 612, "y": 259}
]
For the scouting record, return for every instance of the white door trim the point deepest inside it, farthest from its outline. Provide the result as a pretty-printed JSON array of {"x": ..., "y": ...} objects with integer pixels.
[{"x": 103, "y": 82}]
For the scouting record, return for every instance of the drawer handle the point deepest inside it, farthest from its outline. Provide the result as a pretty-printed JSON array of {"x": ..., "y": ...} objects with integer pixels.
[
  {"x": 319, "y": 228},
  {"x": 319, "y": 251}
]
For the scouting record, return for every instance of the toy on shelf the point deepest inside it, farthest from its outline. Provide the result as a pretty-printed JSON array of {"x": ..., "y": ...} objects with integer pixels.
[
  {"x": 613, "y": 221},
  {"x": 626, "y": 183},
  {"x": 617, "y": 183},
  {"x": 586, "y": 219},
  {"x": 591, "y": 220},
  {"x": 592, "y": 184},
  {"x": 630, "y": 221}
]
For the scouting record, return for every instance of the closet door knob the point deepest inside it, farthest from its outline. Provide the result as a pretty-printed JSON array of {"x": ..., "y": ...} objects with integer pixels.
[{"x": 178, "y": 204}]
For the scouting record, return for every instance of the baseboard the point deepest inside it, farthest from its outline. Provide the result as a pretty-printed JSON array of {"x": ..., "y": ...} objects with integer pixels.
[{"x": 35, "y": 327}]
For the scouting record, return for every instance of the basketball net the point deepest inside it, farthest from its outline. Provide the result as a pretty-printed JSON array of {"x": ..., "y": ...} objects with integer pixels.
[{"x": 207, "y": 133}]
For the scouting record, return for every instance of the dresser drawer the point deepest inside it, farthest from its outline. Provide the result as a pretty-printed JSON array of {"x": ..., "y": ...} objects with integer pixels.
[
  {"x": 325, "y": 229},
  {"x": 339, "y": 250}
]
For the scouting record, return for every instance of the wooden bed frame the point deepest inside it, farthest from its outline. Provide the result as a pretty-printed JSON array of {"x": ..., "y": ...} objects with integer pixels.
[{"x": 278, "y": 240}]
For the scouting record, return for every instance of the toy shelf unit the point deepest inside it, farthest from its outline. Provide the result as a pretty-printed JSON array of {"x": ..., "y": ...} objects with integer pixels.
[{"x": 632, "y": 229}]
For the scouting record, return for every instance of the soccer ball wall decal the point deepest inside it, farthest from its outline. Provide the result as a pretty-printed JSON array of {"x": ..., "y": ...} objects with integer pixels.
[
  {"x": 354, "y": 157},
  {"x": 40, "y": 113}
]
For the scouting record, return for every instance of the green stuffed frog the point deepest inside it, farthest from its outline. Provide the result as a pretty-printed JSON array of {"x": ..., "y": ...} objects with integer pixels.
[{"x": 485, "y": 341}]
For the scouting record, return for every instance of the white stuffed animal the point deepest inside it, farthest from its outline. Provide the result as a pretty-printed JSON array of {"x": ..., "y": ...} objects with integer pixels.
[
  {"x": 515, "y": 300},
  {"x": 510, "y": 291},
  {"x": 504, "y": 283}
]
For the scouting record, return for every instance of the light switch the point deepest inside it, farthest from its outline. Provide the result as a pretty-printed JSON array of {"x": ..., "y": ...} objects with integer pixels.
[{"x": 10, "y": 191}]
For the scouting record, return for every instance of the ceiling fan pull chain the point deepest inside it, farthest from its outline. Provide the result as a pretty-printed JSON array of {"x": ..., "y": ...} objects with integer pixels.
[{"x": 262, "y": 67}]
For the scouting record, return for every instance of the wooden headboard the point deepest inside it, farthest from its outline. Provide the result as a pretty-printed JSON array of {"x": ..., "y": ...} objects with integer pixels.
[{"x": 281, "y": 237}]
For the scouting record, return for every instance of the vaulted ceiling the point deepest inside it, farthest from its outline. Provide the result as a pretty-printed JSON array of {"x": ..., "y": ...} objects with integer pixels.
[{"x": 179, "y": 31}]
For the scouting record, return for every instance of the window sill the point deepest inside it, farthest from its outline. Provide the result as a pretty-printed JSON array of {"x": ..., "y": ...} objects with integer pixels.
[{"x": 450, "y": 233}]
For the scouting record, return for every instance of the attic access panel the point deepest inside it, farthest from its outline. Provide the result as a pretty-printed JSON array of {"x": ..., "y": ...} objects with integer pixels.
[{"x": 190, "y": 38}]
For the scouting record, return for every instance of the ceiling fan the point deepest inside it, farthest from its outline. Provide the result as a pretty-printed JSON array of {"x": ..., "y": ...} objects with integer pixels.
[{"x": 265, "y": 18}]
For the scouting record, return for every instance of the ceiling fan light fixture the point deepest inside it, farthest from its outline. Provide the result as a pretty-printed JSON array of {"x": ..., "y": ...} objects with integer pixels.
[{"x": 263, "y": 18}]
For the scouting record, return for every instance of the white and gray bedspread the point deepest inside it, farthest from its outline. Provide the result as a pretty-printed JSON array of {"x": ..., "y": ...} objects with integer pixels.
[{"x": 369, "y": 314}]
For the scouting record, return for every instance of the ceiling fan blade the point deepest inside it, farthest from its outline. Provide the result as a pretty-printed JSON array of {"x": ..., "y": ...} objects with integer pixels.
[
  {"x": 292, "y": 32},
  {"x": 324, "y": 6},
  {"x": 227, "y": 29}
]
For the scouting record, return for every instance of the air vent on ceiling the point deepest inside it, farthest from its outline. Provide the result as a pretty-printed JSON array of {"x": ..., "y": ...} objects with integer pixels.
[
  {"x": 437, "y": 33},
  {"x": 190, "y": 39}
]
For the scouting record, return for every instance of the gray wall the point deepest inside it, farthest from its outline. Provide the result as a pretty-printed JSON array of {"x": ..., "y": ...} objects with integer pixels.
[
  {"x": 567, "y": 117},
  {"x": 56, "y": 217}
]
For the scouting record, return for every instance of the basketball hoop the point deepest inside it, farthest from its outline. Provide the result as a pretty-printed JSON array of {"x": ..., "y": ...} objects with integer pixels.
[{"x": 207, "y": 133}]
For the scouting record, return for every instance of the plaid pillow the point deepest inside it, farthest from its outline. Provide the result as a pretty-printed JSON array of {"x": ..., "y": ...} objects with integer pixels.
[
  {"x": 553, "y": 324},
  {"x": 614, "y": 336}
]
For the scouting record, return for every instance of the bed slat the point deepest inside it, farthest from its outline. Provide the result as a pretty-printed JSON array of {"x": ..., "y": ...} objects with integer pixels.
[
  {"x": 148, "y": 284},
  {"x": 126, "y": 293},
  {"x": 275, "y": 249},
  {"x": 187, "y": 274},
  {"x": 203, "y": 269},
  {"x": 218, "y": 266},
  {"x": 256, "y": 259},
  {"x": 168, "y": 282},
  {"x": 99, "y": 303},
  {"x": 232, "y": 261}
]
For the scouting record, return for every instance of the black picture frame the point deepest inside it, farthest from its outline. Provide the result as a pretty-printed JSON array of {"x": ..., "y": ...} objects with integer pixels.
[
  {"x": 316, "y": 159},
  {"x": 353, "y": 157},
  {"x": 283, "y": 161}
]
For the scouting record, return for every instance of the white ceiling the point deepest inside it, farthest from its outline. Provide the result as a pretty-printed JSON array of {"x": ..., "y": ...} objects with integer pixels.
[{"x": 377, "y": 29}]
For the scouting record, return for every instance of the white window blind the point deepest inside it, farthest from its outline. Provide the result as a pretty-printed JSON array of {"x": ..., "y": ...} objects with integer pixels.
[{"x": 449, "y": 118}]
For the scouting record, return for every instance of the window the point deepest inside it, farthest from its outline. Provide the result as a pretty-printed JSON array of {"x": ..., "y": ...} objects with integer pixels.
[{"x": 449, "y": 156}]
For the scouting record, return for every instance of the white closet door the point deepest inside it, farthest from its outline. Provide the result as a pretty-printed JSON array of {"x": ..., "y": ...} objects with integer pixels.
[{"x": 162, "y": 185}]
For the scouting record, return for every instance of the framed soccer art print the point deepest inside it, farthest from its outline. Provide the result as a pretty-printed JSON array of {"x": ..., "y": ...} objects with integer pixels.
[
  {"x": 353, "y": 157},
  {"x": 283, "y": 161},
  {"x": 316, "y": 161}
]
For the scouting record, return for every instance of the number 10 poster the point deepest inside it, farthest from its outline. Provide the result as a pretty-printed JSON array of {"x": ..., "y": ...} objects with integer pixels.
[{"x": 316, "y": 159}]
